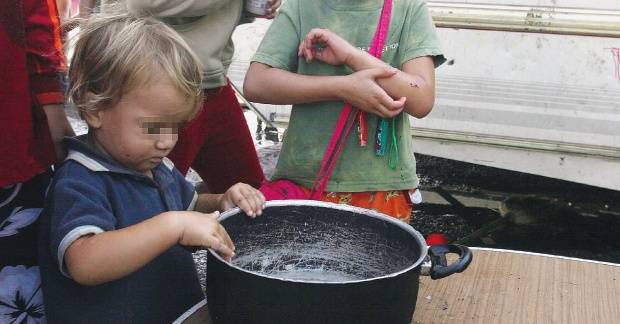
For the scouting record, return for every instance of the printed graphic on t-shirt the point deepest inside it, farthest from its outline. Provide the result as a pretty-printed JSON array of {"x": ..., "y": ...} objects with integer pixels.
[{"x": 388, "y": 47}]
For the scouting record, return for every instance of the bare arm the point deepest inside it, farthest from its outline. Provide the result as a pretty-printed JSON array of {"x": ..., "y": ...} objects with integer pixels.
[
  {"x": 111, "y": 255},
  {"x": 208, "y": 203},
  {"x": 272, "y": 85},
  {"x": 266, "y": 84},
  {"x": 416, "y": 81}
]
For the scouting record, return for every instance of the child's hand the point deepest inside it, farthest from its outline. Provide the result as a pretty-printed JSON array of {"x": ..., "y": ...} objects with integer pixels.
[
  {"x": 271, "y": 9},
  {"x": 204, "y": 230},
  {"x": 250, "y": 200},
  {"x": 326, "y": 46},
  {"x": 365, "y": 94}
]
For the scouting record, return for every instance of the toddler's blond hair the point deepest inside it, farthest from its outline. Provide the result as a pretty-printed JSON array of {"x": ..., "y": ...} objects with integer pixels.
[{"x": 116, "y": 51}]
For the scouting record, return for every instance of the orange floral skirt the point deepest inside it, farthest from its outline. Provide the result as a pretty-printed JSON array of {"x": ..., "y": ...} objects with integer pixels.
[{"x": 393, "y": 203}]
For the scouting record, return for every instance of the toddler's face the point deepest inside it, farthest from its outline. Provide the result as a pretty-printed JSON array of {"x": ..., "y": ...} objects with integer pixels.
[{"x": 142, "y": 128}]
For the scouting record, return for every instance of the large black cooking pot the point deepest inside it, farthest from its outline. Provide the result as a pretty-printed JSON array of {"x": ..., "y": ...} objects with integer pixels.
[{"x": 315, "y": 262}]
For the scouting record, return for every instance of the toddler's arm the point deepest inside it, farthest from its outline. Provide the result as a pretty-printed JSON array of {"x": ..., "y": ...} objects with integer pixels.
[{"x": 111, "y": 255}]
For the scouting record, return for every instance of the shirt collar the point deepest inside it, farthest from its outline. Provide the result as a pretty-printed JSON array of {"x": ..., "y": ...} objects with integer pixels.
[{"x": 82, "y": 151}]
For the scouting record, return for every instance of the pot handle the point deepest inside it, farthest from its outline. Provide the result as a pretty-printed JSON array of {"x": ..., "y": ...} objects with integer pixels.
[{"x": 439, "y": 268}]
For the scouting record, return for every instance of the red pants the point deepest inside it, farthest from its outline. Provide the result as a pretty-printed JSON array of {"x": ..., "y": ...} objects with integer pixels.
[{"x": 218, "y": 145}]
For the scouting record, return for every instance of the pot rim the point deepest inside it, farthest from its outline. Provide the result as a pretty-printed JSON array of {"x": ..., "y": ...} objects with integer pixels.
[{"x": 367, "y": 212}]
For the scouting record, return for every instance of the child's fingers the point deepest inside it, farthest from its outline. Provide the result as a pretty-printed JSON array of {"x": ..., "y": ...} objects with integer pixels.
[
  {"x": 261, "y": 200},
  {"x": 219, "y": 231},
  {"x": 392, "y": 104},
  {"x": 225, "y": 237},
  {"x": 392, "y": 110},
  {"x": 219, "y": 241},
  {"x": 393, "y": 113},
  {"x": 300, "y": 49},
  {"x": 214, "y": 214},
  {"x": 250, "y": 203},
  {"x": 388, "y": 107},
  {"x": 225, "y": 251},
  {"x": 385, "y": 112},
  {"x": 401, "y": 102},
  {"x": 246, "y": 205},
  {"x": 381, "y": 110},
  {"x": 386, "y": 72},
  {"x": 256, "y": 199},
  {"x": 309, "y": 37},
  {"x": 386, "y": 100},
  {"x": 315, "y": 35},
  {"x": 308, "y": 50}
]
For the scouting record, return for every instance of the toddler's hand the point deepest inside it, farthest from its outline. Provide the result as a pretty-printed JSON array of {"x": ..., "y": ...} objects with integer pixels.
[
  {"x": 325, "y": 46},
  {"x": 204, "y": 230},
  {"x": 250, "y": 200},
  {"x": 365, "y": 94}
]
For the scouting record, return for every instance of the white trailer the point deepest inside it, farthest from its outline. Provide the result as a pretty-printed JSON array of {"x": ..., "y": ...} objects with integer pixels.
[{"x": 531, "y": 86}]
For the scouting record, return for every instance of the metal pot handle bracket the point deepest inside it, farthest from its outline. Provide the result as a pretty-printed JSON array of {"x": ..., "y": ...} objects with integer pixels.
[{"x": 436, "y": 265}]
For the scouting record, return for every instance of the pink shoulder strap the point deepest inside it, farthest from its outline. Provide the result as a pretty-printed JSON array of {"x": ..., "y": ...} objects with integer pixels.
[{"x": 344, "y": 123}]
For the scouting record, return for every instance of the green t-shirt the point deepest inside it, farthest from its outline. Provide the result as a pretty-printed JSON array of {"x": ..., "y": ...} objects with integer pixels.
[{"x": 411, "y": 34}]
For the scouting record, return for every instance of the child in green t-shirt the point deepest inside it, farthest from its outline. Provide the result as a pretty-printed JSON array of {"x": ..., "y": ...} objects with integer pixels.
[{"x": 315, "y": 57}]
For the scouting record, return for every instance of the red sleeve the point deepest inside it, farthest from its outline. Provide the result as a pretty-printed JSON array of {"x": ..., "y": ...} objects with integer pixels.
[{"x": 44, "y": 50}]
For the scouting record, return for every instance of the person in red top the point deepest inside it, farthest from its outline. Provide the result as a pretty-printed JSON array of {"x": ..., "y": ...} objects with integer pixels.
[{"x": 32, "y": 124}]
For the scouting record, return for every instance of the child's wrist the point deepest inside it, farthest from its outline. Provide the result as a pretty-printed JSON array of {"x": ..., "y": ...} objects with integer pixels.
[
  {"x": 172, "y": 223},
  {"x": 350, "y": 59},
  {"x": 362, "y": 60},
  {"x": 337, "y": 88},
  {"x": 354, "y": 59}
]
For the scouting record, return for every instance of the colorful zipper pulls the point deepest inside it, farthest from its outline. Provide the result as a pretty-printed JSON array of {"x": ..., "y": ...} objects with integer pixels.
[
  {"x": 393, "y": 154},
  {"x": 381, "y": 138},
  {"x": 362, "y": 129}
]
